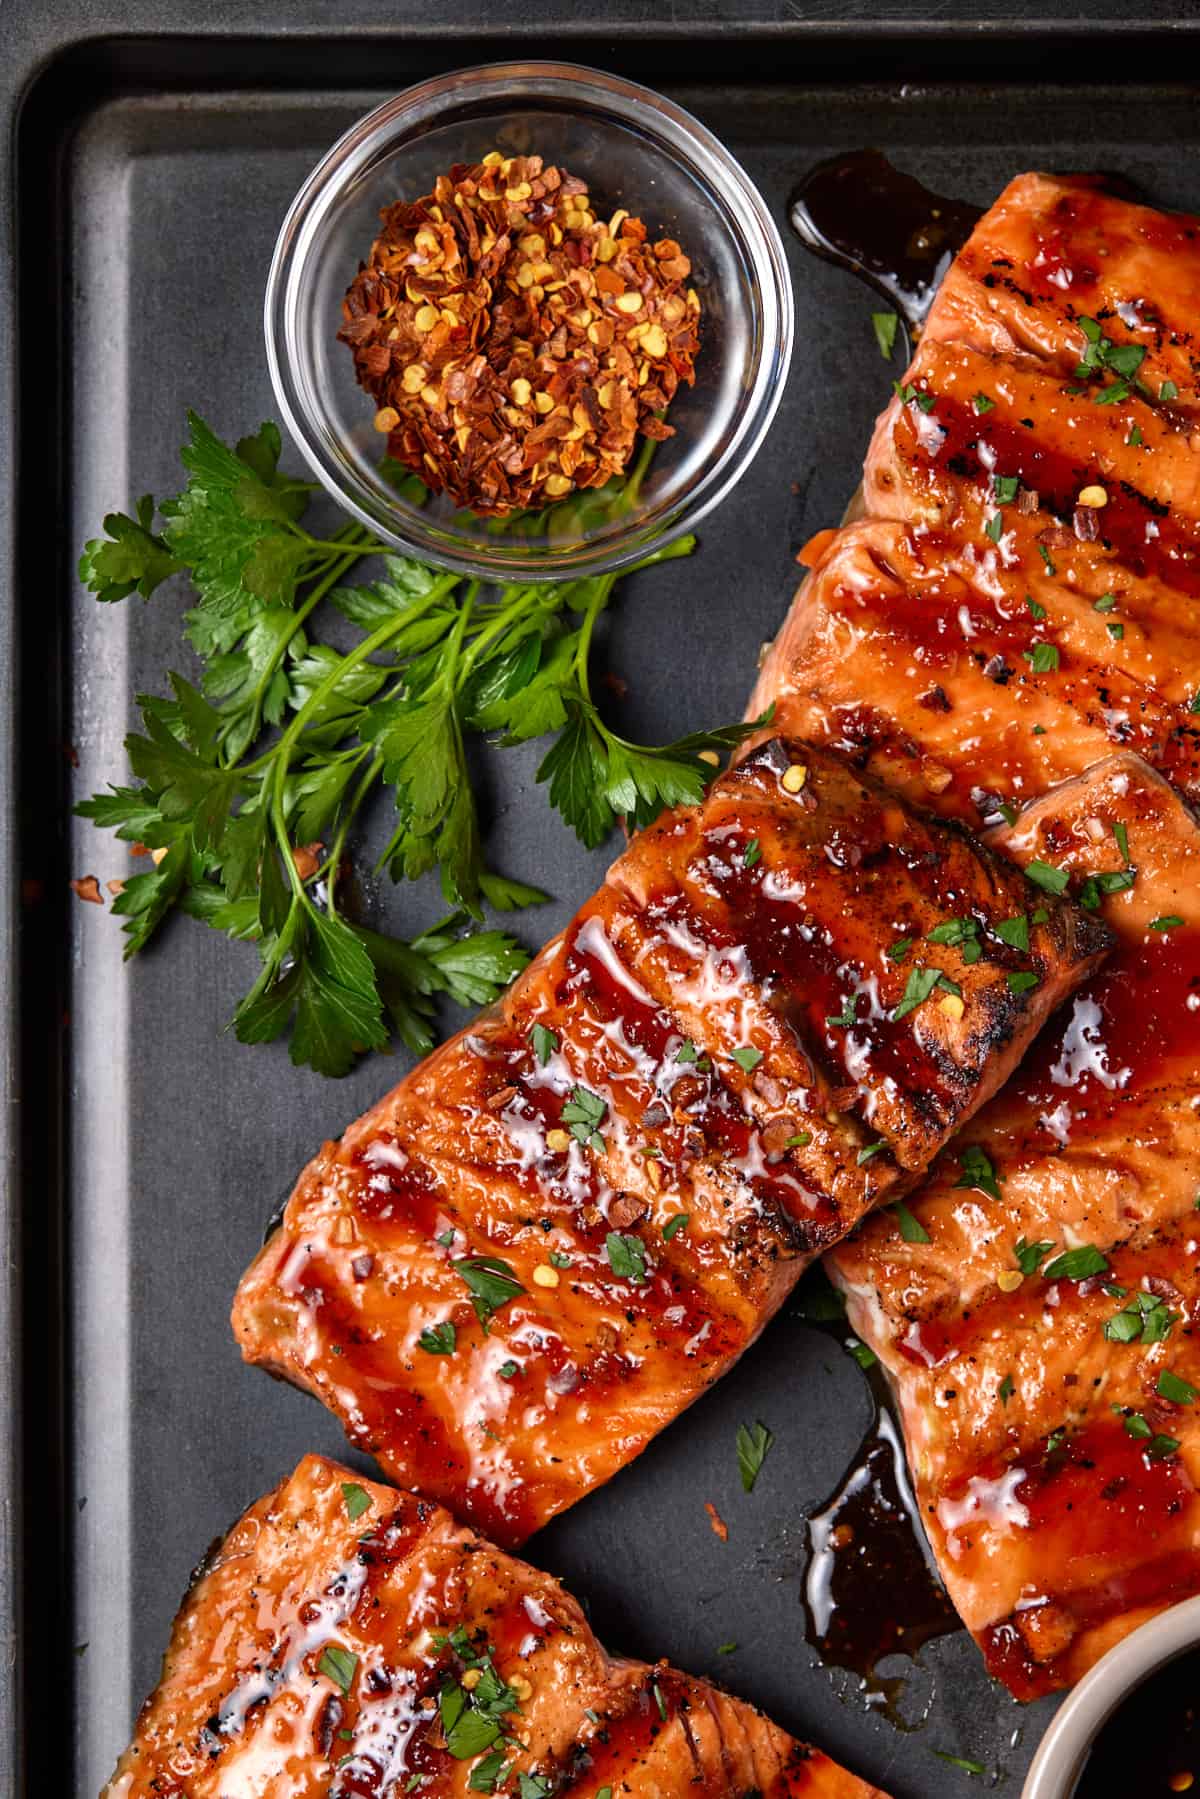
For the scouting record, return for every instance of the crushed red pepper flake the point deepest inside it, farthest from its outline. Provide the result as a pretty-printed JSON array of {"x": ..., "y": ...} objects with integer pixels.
[
  {"x": 719, "y": 1526},
  {"x": 515, "y": 343}
]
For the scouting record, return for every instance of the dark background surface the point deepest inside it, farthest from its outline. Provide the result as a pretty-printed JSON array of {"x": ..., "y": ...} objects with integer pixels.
[{"x": 147, "y": 1147}]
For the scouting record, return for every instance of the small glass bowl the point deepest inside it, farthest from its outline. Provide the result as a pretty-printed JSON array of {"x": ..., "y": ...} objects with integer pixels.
[{"x": 634, "y": 149}]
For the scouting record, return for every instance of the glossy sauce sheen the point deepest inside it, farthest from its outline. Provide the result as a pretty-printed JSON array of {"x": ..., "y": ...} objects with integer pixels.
[
  {"x": 691, "y": 1001},
  {"x": 305, "y": 1663},
  {"x": 912, "y": 647}
]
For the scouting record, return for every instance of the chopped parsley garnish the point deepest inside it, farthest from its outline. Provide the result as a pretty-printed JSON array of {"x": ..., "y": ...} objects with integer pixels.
[
  {"x": 472, "y": 1722},
  {"x": 871, "y": 1150},
  {"x": 910, "y": 394},
  {"x": 626, "y": 1256},
  {"x": 487, "y": 1774},
  {"x": 1013, "y": 931},
  {"x": 439, "y": 1339},
  {"x": 1168, "y": 391},
  {"x": 911, "y": 1229},
  {"x": 1143, "y": 1319},
  {"x": 847, "y": 1016},
  {"x": 961, "y": 934},
  {"x": 679, "y": 1222},
  {"x": 508, "y": 1370},
  {"x": 801, "y": 1140},
  {"x": 1004, "y": 489},
  {"x": 1134, "y": 439},
  {"x": 558, "y": 1259},
  {"x": 1036, "y": 610},
  {"x": 1170, "y": 921},
  {"x": 490, "y": 1282},
  {"x": 583, "y": 1114},
  {"x": 446, "y": 1238},
  {"x": 1020, "y": 980},
  {"x": 1159, "y": 1447},
  {"x": 752, "y": 853},
  {"x": 1076, "y": 1264},
  {"x": 1116, "y": 881},
  {"x": 960, "y": 1761},
  {"x": 1030, "y": 1256},
  {"x": 726, "y": 1648},
  {"x": 1121, "y": 835},
  {"x": 1044, "y": 875},
  {"x": 866, "y": 1358},
  {"x": 659, "y": 1701},
  {"x": 357, "y": 1500},
  {"x": 1006, "y": 1389},
  {"x": 1100, "y": 354},
  {"x": 1044, "y": 553},
  {"x": 748, "y": 1057},
  {"x": 687, "y": 1052},
  {"x": 982, "y": 403},
  {"x": 899, "y": 949},
  {"x": 995, "y": 527},
  {"x": 544, "y": 1042},
  {"x": 1178, "y": 1391},
  {"x": 885, "y": 324},
  {"x": 977, "y": 1170},
  {"x": 921, "y": 983},
  {"x": 338, "y": 1665},
  {"x": 534, "y": 1786},
  {"x": 1042, "y": 658},
  {"x": 1106, "y": 603},
  {"x": 1115, "y": 630},
  {"x": 753, "y": 1442}
]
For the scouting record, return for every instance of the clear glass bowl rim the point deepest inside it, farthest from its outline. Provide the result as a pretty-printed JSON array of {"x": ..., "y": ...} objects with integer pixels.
[{"x": 401, "y": 118}]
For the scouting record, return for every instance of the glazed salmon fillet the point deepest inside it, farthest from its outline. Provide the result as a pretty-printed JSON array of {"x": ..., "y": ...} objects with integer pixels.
[
  {"x": 1009, "y": 619},
  {"x": 561, "y": 1228},
  {"x": 1042, "y": 1337},
  {"x": 346, "y": 1639}
]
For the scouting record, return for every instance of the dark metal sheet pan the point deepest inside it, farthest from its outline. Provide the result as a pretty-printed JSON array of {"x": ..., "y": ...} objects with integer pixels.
[{"x": 145, "y": 1146}]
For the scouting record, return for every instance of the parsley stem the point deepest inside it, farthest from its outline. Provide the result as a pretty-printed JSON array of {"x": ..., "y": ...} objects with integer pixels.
[
  {"x": 334, "y": 860},
  {"x": 281, "y": 753},
  {"x": 595, "y": 606},
  {"x": 349, "y": 550},
  {"x": 379, "y": 639}
]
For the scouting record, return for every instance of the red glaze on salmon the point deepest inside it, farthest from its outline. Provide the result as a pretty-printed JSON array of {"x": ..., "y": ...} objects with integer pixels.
[
  {"x": 569, "y": 1221},
  {"x": 1056, "y": 1529},
  {"x": 1018, "y": 603},
  {"x": 347, "y": 1641}
]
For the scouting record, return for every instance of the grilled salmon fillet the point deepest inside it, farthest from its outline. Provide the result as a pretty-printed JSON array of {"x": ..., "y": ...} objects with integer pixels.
[
  {"x": 1009, "y": 619},
  {"x": 1043, "y": 1338},
  {"x": 563, "y": 1226},
  {"x": 347, "y": 1640}
]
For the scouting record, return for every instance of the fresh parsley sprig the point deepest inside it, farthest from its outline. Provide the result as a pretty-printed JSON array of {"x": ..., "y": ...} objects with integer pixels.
[{"x": 251, "y": 783}]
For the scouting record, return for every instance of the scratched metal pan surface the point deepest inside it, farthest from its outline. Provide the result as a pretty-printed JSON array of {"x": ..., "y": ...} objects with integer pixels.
[{"x": 153, "y": 176}]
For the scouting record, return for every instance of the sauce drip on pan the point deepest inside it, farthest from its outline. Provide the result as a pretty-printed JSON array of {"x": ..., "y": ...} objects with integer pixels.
[
  {"x": 1151, "y": 1744},
  {"x": 870, "y": 1589},
  {"x": 864, "y": 215}
]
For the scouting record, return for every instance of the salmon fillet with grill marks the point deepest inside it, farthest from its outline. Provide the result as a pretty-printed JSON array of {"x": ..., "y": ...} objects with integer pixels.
[
  {"x": 1018, "y": 603},
  {"x": 346, "y": 1639},
  {"x": 1055, "y": 1468},
  {"x": 569, "y": 1221}
]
